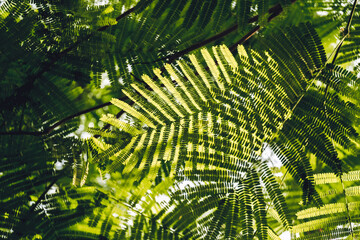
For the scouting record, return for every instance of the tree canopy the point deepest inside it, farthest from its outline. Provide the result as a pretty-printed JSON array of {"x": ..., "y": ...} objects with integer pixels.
[{"x": 179, "y": 119}]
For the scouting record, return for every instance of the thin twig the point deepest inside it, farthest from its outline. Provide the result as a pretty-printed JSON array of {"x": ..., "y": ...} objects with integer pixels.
[
  {"x": 347, "y": 34},
  {"x": 246, "y": 37}
]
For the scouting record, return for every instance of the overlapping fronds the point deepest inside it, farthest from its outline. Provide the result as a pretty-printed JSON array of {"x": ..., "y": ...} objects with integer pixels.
[
  {"x": 334, "y": 220},
  {"x": 212, "y": 125}
]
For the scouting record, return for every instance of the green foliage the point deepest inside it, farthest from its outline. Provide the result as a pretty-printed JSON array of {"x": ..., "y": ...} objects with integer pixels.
[{"x": 190, "y": 153}]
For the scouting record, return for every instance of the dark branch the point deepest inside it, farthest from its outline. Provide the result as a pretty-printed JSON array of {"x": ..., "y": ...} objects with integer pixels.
[
  {"x": 70, "y": 117},
  {"x": 195, "y": 46},
  {"x": 50, "y": 129},
  {"x": 57, "y": 124},
  {"x": 244, "y": 38},
  {"x": 274, "y": 11}
]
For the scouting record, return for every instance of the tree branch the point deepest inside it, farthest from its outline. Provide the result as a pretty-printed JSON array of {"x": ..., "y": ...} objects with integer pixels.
[
  {"x": 195, "y": 46},
  {"x": 57, "y": 124},
  {"x": 274, "y": 11},
  {"x": 251, "y": 33}
]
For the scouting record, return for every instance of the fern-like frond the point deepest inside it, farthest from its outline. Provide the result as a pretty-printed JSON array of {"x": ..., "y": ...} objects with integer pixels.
[{"x": 213, "y": 128}]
